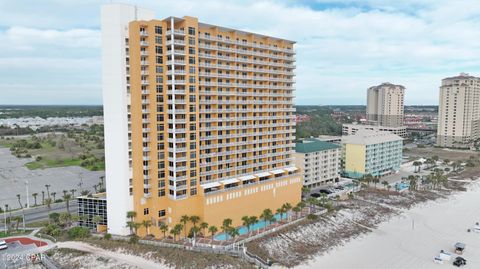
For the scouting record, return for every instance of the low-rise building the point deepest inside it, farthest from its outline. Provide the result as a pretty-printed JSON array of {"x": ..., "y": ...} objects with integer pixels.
[
  {"x": 318, "y": 160},
  {"x": 91, "y": 206},
  {"x": 371, "y": 152},
  {"x": 351, "y": 129}
]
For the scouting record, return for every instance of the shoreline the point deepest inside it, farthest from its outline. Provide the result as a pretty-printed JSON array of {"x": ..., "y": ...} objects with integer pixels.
[{"x": 412, "y": 238}]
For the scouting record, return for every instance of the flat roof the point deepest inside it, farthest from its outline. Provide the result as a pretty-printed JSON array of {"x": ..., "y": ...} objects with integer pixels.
[
  {"x": 226, "y": 29},
  {"x": 313, "y": 145},
  {"x": 369, "y": 137}
]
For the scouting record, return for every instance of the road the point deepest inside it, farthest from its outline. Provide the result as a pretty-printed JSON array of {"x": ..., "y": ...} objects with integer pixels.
[{"x": 41, "y": 213}]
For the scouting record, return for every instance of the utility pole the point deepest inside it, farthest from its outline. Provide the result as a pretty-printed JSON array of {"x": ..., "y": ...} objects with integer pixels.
[{"x": 26, "y": 187}]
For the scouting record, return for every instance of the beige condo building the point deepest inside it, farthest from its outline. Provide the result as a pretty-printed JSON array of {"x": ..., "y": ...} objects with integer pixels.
[
  {"x": 211, "y": 122},
  {"x": 459, "y": 111},
  {"x": 385, "y": 105}
]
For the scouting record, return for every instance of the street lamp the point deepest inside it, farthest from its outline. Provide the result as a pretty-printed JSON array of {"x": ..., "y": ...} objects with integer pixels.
[
  {"x": 26, "y": 188},
  {"x": 5, "y": 217}
]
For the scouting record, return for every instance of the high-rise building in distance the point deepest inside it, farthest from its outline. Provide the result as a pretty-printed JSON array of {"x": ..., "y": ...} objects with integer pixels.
[
  {"x": 459, "y": 111},
  {"x": 211, "y": 122},
  {"x": 385, "y": 105}
]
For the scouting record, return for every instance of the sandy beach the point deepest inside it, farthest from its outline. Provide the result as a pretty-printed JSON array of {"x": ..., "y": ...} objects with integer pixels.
[{"x": 412, "y": 239}]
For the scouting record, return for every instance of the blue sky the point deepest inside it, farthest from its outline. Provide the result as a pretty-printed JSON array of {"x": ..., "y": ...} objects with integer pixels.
[{"x": 50, "y": 49}]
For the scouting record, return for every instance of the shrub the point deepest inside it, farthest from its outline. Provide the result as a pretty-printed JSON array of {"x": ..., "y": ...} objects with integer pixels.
[
  {"x": 107, "y": 236},
  {"x": 312, "y": 217},
  {"x": 52, "y": 229},
  {"x": 54, "y": 217},
  {"x": 78, "y": 232},
  {"x": 134, "y": 239}
]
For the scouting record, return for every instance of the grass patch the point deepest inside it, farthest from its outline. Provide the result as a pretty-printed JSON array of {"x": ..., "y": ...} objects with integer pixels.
[{"x": 13, "y": 233}]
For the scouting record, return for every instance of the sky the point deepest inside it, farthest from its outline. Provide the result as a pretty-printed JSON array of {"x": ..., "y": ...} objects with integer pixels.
[{"x": 50, "y": 49}]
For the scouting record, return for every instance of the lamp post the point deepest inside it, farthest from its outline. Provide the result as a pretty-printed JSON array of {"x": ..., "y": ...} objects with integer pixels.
[
  {"x": 5, "y": 217},
  {"x": 26, "y": 188}
]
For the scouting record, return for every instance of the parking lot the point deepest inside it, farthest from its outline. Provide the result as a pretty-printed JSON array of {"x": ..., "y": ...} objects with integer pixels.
[{"x": 13, "y": 175}]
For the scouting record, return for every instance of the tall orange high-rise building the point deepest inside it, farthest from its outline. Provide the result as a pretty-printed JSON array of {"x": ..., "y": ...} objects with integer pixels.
[{"x": 211, "y": 124}]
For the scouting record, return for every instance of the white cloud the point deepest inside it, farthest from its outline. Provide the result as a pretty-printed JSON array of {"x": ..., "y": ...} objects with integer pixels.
[{"x": 342, "y": 46}]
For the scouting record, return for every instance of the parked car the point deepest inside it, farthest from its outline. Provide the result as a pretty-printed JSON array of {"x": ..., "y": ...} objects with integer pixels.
[
  {"x": 315, "y": 195},
  {"x": 459, "y": 261},
  {"x": 325, "y": 191},
  {"x": 3, "y": 245}
]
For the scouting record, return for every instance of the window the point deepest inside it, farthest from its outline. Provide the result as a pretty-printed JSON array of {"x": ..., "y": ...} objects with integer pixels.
[
  {"x": 191, "y": 50},
  {"x": 159, "y": 69},
  {"x": 193, "y": 191},
  {"x": 145, "y": 211},
  {"x": 191, "y": 30},
  {"x": 158, "y": 49},
  {"x": 161, "y": 193},
  {"x": 161, "y": 213},
  {"x": 158, "y": 30},
  {"x": 191, "y": 60},
  {"x": 159, "y": 59},
  {"x": 158, "y": 39}
]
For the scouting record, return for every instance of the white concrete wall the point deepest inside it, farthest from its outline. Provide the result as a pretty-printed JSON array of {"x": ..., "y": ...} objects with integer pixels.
[{"x": 114, "y": 24}]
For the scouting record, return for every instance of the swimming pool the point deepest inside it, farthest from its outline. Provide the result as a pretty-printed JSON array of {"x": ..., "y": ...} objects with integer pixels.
[
  {"x": 401, "y": 186},
  {"x": 243, "y": 230}
]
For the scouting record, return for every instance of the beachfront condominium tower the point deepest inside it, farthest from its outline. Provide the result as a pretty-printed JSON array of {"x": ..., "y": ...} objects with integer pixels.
[
  {"x": 459, "y": 111},
  {"x": 210, "y": 121},
  {"x": 385, "y": 105}
]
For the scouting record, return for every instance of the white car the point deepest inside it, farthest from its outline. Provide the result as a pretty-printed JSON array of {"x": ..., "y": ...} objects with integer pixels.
[{"x": 3, "y": 245}]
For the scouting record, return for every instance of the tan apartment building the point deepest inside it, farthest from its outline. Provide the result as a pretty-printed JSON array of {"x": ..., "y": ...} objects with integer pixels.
[
  {"x": 459, "y": 111},
  {"x": 212, "y": 124},
  {"x": 385, "y": 105}
]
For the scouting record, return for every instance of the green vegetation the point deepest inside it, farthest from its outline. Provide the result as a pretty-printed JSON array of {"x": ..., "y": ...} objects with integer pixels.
[
  {"x": 78, "y": 147},
  {"x": 321, "y": 122},
  {"x": 49, "y": 111}
]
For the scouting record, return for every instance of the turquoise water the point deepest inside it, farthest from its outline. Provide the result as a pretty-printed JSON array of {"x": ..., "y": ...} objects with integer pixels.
[
  {"x": 243, "y": 230},
  {"x": 401, "y": 186}
]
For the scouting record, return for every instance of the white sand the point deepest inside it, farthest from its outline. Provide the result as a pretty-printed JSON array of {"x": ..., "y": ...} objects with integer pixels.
[{"x": 394, "y": 245}]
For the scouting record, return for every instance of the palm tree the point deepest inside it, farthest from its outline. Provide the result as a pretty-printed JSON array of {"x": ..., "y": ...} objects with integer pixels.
[
  {"x": 213, "y": 230},
  {"x": 147, "y": 224},
  {"x": 130, "y": 224},
  {"x": 279, "y": 211},
  {"x": 297, "y": 210},
  {"x": 19, "y": 201},
  {"x": 312, "y": 202},
  {"x": 177, "y": 229},
  {"x": 164, "y": 229},
  {"x": 368, "y": 179},
  {"x": 73, "y": 192},
  {"x": 253, "y": 220},
  {"x": 136, "y": 225},
  {"x": 204, "y": 227},
  {"x": 226, "y": 224},
  {"x": 287, "y": 207},
  {"x": 96, "y": 220},
  {"x": 246, "y": 222},
  {"x": 385, "y": 184},
  {"x": 48, "y": 202},
  {"x": 266, "y": 214},
  {"x": 54, "y": 194},
  {"x": 375, "y": 181},
  {"x": 48, "y": 190},
  {"x": 43, "y": 197},
  {"x": 233, "y": 233},
  {"x": 184, "y": 219},
  {"x": 35, "y": 198},
  {"x": 67, "y": 197},
  {"x": 194, "y": 220}
]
